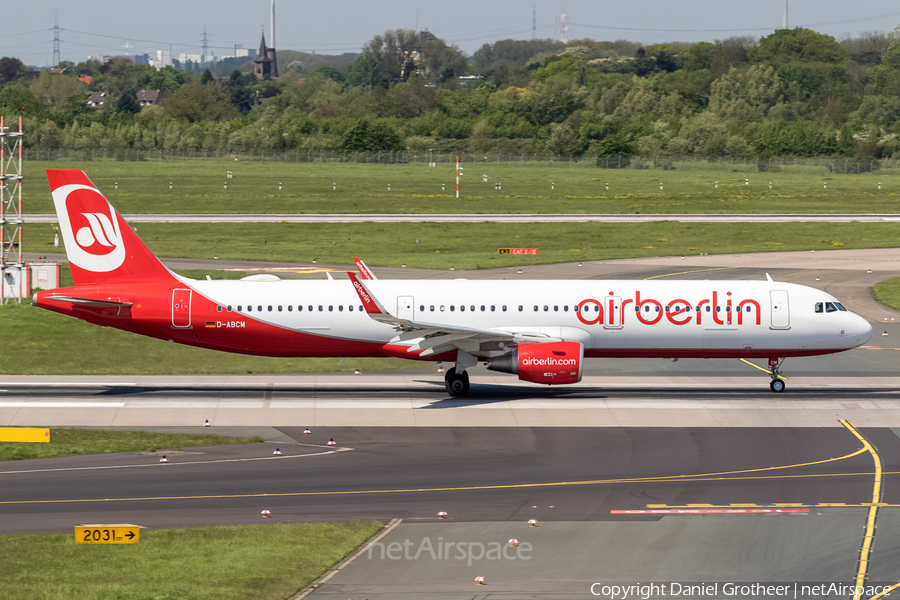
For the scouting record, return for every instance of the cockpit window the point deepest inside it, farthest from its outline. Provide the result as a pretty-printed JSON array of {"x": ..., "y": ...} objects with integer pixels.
[
  {"x": 840, "y": 306},
  {"x": 819, "y": 307},
  {"x": 830, "y": 307}
]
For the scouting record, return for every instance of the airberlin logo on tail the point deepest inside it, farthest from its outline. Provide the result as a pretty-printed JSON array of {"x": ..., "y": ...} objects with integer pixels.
[{"x": 90, "y": 228}]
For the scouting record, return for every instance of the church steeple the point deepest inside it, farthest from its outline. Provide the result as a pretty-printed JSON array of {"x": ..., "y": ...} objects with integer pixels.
[{"x": 262, "y": 64}]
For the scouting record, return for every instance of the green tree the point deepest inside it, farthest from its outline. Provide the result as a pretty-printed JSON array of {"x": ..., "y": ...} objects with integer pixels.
[
  {"x": 207, "y": 77},
  {"x": 394, "y": 51},
  {"x": 57, "y": 92},
  {"x": 167, "y": 80},
  {"x": 562, "y": 141},
  {"x": 365, "y": 71},
  {"x": 10, "y": 69},
  {"x": 128, "y": 104},
  {"x": 195, "y": 102},
  {"x": 441, "y": 62},
  {"x": 797, "y": 45},
  {"x": 372, "y": 136}
]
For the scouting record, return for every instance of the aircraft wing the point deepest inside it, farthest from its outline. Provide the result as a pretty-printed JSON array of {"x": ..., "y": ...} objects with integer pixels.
[{"x": 435, "y": 338}]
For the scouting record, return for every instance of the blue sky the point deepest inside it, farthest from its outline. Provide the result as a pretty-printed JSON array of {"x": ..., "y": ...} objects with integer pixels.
[{"x": 336, "y": 26}]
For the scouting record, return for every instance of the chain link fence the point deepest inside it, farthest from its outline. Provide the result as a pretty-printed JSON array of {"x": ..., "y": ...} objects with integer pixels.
[{"x": 668, "y": 163}]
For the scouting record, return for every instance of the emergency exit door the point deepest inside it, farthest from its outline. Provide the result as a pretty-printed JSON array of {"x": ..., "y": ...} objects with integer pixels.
[
  {"x": 405, "y": 307},
  {"x": 181, "y": 308},
  {"x": 781, "y": 310}
]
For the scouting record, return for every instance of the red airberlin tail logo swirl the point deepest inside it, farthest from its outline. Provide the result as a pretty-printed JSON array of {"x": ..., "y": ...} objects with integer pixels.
[{"x": 90, "y": 228}]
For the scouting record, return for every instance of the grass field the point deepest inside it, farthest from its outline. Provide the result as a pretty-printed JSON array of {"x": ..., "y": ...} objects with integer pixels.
[
  {"x": 264, "y": 562},
  {"x": 75, "y": 442},
  {"x": 888, "y": 293},
  {"x": 198, "y": 186},
  {"x": 474, "y": 245}
]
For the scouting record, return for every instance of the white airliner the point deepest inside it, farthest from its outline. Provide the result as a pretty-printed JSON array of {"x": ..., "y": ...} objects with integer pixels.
[{"x": 539, "y": 330}]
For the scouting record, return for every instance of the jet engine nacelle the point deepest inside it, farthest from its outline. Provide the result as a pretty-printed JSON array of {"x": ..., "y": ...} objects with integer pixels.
[{"x": 556, "y": 363}]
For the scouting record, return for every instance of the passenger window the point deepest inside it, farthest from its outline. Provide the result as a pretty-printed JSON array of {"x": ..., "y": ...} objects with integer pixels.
[
  {"x": 310, "y": 308},
  {"x": 575, "y": 308},
  {"x": 228, "y": 309},
  {"x": 249, "y": 308},
  {"x": 747, "y": 308},
  {"x": 239, "y": 308},
  {"x": 647, "y": 308},
  {"x": 350, "y": 307},
  {"x": 820, "y": 307},
  {"x": 535, "y": 308},
  {"x": 555, "y": 308},
  {"x": 259, "y": 308},
  {"x": 737, "y": 309},
  {"x": 504, "y": 308},
  {"x": 432, "y": 308},
  {"x": 442, "y": 308},
  {"x": 494, "y": 308},
  {"x": 565, "y": 307},
  {"x": 279, "y": 308},
  {"x": 708, "y": 309},
  {"x": 482, "y": 308},
  {"x": 321, "y": 308},
  {"x": 330, "y": 308},
  {"x": 521, "y": 308},
  {"x": 299, "y": 308},
  {"x": 472, "y": 308},
  {"x": 340, "y": 308},
  {"x": 718, "y": 309},
  {"x": 637, "y": 308},
  {"x": 727, "y": 309},
  {"x": 452, "y": 308},
  {"x": 360, "y": 308},
  {"x": 421, "y": 308},
  {"x": 668, "y": 309},
  {"x": 546, "y": 308},
  {"x": 218, "y": 308},
  {"x": 462, "y": 308},
  {"x": 290, "y": 307}
]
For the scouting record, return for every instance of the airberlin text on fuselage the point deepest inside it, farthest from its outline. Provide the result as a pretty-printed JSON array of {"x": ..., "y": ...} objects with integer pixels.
[{"x": 611, "y": 311}]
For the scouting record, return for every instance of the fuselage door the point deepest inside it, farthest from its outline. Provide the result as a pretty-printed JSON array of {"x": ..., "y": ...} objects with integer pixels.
[
  {"x": 781, "y": 311},
  {"x": 613, "y": 312},
  {"x": 405, "y": 307},
  {"x": 181, "y": 308}
]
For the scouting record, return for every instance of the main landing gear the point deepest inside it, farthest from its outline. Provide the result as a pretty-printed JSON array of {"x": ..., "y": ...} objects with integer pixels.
[
  {"x": 777, "y": 385},
  {"x": 457, "y": 385}
]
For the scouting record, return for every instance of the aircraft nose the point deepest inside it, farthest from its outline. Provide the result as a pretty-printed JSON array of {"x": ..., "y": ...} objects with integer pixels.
[{"x": 862, "y": 330}]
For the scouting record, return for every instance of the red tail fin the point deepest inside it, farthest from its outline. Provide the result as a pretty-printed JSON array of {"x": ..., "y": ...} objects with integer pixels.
[{"x": 99, "y": 243}]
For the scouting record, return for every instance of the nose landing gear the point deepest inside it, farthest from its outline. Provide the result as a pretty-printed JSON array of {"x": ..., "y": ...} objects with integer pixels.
[{"x": 777, "y": 384}]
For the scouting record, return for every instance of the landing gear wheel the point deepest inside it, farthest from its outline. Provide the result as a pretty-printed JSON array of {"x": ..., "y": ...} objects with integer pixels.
[
  {"x": 777, "y": 385},
  {"x": 457, "y": 385}
]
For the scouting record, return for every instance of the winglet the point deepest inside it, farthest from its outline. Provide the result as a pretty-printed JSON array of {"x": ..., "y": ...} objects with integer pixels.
[
  {"x": 364, "y": 271},
  {"x": 372, "y": 306}
]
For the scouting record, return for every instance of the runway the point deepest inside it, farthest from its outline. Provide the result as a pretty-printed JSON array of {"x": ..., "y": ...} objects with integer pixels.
[
  {"x": 494, "y": 218},
  {"x": 492, "y": 481}
]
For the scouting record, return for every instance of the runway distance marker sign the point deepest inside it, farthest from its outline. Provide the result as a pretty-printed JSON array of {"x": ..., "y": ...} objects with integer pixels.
[
  {"x": 518, "y": 251},
  {"x": 107, "y": 534}
]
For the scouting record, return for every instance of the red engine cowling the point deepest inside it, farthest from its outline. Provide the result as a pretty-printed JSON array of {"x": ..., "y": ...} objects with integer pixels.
[{"x": 556, "y": 363}]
